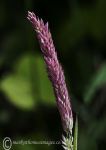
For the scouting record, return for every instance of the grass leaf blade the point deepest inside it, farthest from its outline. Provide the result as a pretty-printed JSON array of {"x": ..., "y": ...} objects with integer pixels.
[{"x": 75, "y": 135}]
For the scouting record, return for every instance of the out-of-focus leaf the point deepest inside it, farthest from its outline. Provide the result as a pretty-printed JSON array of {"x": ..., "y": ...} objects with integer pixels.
[
  {"x": 19, "y": 91},
  {"x": 81, "y": 21},
  {"x": 98, "y": 80},
  {"x": 29, "y": 83},
  {"x": 45, "y": 87},
  {"x": 97, "y": 128},
  {"x": 87, "y": 142}
]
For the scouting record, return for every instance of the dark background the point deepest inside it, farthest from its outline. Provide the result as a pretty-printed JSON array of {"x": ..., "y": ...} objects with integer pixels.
[{"x": 27, "y": 105}]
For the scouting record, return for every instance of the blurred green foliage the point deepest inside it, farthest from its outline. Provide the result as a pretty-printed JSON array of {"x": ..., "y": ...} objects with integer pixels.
[
  {"x": 22, "y": 87},
  {"x": 97, "y": 82},
  {"x": 27, "y": 103}
]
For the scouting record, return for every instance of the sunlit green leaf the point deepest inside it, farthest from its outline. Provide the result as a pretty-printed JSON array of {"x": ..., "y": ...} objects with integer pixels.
[
  {"x": 29, "y": 83},
  {"x": 19, "y": 91}
]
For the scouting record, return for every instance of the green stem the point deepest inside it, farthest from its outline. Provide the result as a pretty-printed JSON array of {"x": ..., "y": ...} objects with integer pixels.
[{"x": 75, "y": 144}]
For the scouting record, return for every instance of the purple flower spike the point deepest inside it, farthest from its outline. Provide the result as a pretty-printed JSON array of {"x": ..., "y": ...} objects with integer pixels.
[{"x": 54, "y": 69}]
